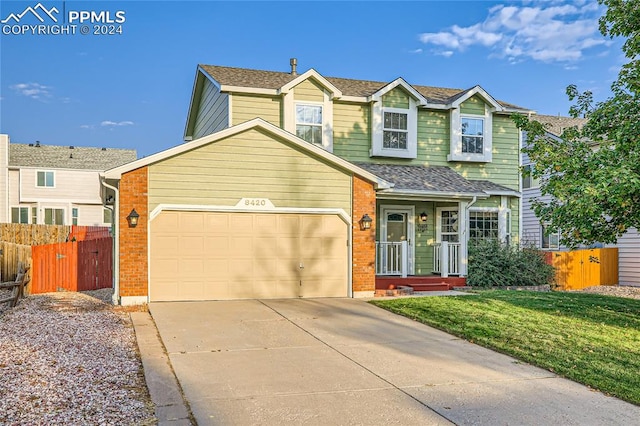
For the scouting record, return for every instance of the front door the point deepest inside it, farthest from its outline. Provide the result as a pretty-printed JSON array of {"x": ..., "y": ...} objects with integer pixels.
[{"x": 397, "y": 226}]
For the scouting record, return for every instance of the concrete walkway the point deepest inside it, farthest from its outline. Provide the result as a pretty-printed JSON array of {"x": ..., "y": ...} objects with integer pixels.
[{"x": 343, "y": 361}]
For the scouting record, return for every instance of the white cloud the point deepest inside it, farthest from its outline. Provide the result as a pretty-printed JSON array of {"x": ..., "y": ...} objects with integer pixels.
[
  {"x": 32, "y": 90},
  {"x": 416, "y": 51},
  {"x": 108, "y": 123},
  {"x": 87, "y": 126},
  {"x": 445, "y": 53},
  {"x": 541, "y": 31}
]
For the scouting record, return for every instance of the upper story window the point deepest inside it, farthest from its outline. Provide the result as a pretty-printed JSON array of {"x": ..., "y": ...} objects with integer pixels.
[
  {"x": 45, "y": 179},
  {"x": 472, "y": 135},
  {"x": 471, "y": 130},
  {"x": 395, "y": 130},
  {"x": 309, "y": 123},
  {"x": 528, "y": 181}
]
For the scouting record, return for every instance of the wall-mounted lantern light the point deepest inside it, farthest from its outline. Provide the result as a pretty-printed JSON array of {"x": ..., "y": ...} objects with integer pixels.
[
  {"x": 365, "y": 222},
  {"x": 423, "y": 217},
  {"x": 133, "y": 218}
]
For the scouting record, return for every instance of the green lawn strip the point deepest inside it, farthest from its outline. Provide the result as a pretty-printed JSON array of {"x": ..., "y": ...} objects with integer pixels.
[{"x": 592, "y": 339}]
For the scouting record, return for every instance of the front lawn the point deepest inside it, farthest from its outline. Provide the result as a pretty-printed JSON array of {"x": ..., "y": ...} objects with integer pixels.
[{"x": 592, "y": 339}]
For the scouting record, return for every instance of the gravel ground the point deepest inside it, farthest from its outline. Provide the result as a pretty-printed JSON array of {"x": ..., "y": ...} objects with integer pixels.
[
  {"x": 615, "y": 290},
  {"x": 70, "y": 359}
]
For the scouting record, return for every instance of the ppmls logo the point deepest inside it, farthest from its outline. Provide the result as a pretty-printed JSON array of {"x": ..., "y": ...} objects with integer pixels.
[
  {"x": 40, "y": 20},
  {"x": 33, "y": 11}
]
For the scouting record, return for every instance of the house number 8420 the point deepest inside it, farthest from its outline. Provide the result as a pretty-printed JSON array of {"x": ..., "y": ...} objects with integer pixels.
[{"x": 255, "y": 202}]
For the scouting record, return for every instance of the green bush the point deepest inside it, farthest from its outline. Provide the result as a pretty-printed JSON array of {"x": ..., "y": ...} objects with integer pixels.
[{"x": 492, "y": 264}]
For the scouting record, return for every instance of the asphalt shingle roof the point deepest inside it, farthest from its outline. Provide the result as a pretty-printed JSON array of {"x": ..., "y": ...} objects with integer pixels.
[
  {"x": 430, "y": 178},
  {"x": 243, "y": 77},
  {"x": 65, "y": 157},
  {"x": 422, "y": 178},
  {"x": 556, "y": 124}
]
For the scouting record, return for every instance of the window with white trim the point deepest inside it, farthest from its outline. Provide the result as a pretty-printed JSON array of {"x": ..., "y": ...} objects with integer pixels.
[
  {"x": 74, "y": 216},
  {"x": 550, "y": 238},
  {"x": 484, "y": 225},
  {"x": 19, "y": 214},
  {"x": 395, "y": 131},
  {"x": 45, "y": 179},
  {"x": 53, "y": 216},
  {"x": 309, "y": 123},
  {"x": 472, "y": 135},
  {"x": 528, "y": 181}
]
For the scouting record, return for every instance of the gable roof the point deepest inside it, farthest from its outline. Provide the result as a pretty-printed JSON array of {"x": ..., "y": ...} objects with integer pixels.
[
  {"x": 256, "y": 123},
  {"x": 274, "y": 80},
  {"x": 556, "y": 124},
  {"x": 67, "y": 157}
]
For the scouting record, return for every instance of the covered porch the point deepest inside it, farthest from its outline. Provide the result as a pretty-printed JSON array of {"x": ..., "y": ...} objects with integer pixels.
[{"x": 425, "y": 221}]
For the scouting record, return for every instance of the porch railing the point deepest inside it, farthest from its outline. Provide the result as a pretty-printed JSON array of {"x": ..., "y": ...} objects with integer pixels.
[
  {"x": 392, "y": 258},
  {"x": 446, "y": 258}
]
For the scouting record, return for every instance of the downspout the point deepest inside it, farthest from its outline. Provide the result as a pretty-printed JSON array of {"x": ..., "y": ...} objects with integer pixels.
[{"x": 116, "y": 244}]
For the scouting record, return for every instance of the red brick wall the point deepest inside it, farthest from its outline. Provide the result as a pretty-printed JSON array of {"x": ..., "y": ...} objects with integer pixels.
[
  {"x": 364, "y": 242},
  {"x": 133, "y": 241}
]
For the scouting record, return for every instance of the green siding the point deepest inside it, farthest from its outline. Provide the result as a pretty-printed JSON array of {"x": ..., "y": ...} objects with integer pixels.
[
  {"x": 249, "y": 164},
  {"x": 308, "y": 90},
  {"x": 473, "y": 105},
  {"x": 351, "y": 131},
  {"x": 352, "y": 135},
  {"x": 493, "y": 202},
  {"x": 352, "y": 141},
  {"x": 396, "y": 98},
  {"x": 247, "y": 107}
]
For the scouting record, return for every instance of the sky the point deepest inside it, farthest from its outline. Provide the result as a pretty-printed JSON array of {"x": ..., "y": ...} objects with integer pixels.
[{"x": 132, "y": 88}]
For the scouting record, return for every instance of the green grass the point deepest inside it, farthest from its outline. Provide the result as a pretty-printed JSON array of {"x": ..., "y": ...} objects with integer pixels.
[{"x": 588, "y": 338}]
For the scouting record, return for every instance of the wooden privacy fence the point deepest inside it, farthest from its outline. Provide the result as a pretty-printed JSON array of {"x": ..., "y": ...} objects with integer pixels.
[
  {"x": 32, "y": 235},
  {"x": 11, "y": 255},
  {"x": 578, "y": 269},
  {"x": 72, "y": 266}
]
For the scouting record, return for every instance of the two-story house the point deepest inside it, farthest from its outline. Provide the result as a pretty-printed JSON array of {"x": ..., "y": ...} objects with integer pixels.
[
  {"x": 300, "y": 185},
  {"x": 55, "y": 185},
  {"x": 537, "y": 234}
]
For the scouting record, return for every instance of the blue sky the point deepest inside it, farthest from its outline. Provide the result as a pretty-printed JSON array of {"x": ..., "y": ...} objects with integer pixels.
[{"x": 132, "y": 90}]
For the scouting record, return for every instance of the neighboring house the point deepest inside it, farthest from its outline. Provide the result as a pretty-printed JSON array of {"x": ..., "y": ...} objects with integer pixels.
[
  {"x": 537, "y": 234},
  {"x": 55, "y": 185},
  {"x": 272, "y": 193}
]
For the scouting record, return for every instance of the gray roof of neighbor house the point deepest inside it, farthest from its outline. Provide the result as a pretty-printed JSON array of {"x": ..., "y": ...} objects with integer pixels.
[
  {"x": 436, "y": 179},
  {"x": 556, "y": 124},
  {"x": 68, "y": 157},
  {"x": 243, "y": 77}
]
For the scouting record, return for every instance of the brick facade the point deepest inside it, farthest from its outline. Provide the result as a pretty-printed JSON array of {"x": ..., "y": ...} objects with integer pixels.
[
  {"x": 364, "y": 242},
  {"x": 133, "y": 241}
]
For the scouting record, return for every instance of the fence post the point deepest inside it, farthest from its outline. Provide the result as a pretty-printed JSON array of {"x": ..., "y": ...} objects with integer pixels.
[{"x": 444, "y": 259}]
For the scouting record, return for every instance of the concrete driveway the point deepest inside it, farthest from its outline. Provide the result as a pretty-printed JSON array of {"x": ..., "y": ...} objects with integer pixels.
[{"x": 343, "y": 361}]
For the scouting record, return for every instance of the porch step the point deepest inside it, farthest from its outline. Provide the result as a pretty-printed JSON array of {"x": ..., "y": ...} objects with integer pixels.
[{"x": 424, "y": 283}]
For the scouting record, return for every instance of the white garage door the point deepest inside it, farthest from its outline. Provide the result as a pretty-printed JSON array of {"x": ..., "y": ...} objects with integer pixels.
[{"x": 224, "y": 255}]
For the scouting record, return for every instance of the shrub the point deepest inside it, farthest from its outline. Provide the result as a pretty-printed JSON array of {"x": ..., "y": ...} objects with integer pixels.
[{"x": 492, "y": 264}]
